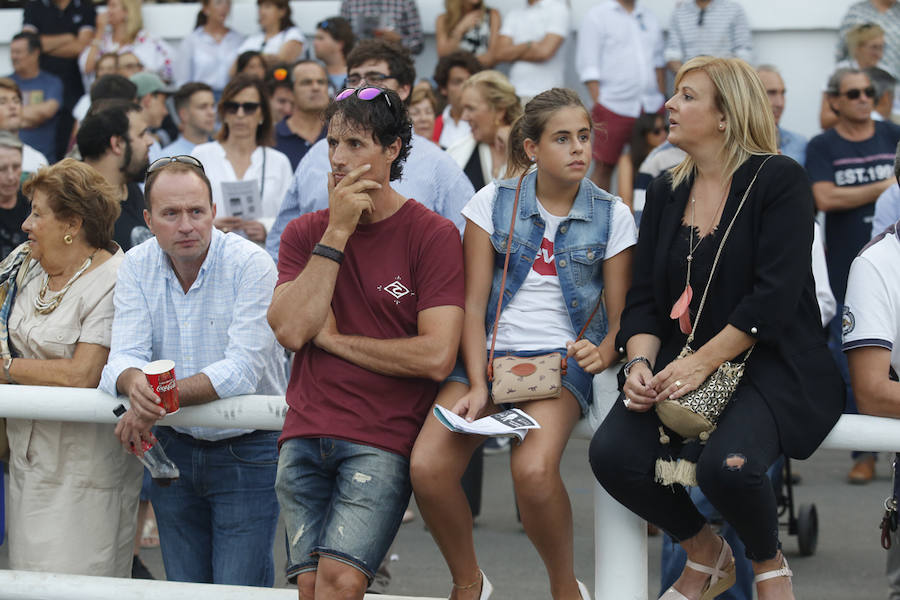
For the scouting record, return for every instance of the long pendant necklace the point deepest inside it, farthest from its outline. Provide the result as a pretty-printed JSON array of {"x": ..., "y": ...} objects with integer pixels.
[
  {"x": 44, "y": 305},
  {"x": 681, "y": 309}
]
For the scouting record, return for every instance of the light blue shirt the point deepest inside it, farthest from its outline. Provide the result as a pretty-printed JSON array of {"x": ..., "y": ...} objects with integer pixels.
[
  {"x": 218, "y": 327},
  {"x": 792, "y": 144},
  {"x": 179, "y": 147},
  {"x": 887, "y": 210},
  {"x": 430, "y": 177}
]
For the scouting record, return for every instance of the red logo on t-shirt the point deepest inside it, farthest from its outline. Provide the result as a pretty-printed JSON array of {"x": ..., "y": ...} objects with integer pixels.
[{"x": 543, "y": 263}]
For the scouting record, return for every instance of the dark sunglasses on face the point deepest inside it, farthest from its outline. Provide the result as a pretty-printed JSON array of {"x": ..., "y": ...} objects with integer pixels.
[
  {"x": 232, "y": 108},
  {"x": 372, "y": 77},
  {"x": 366, "y": 93},
  {"x": 856, "y": 92},
  {"x": 184, "y": 159}
]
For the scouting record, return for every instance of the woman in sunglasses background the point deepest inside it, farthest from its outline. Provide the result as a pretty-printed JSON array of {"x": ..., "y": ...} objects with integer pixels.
[{"x": 249, "y": 179}]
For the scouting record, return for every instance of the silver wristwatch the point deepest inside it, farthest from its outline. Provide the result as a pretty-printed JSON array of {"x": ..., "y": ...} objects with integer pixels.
[{"x": 7, "y": 363}]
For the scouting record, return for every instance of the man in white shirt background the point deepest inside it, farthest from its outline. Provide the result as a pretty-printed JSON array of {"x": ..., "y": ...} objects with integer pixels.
[
  {"x": 619, "y": 58},
  {"x": 532, "y": 39}
]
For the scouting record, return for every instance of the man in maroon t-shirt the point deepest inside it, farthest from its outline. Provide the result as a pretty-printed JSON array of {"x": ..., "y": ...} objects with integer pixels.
[{"x": 370, "y": 295}]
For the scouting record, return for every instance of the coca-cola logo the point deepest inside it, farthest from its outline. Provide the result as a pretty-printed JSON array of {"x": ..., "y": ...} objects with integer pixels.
[{"x": 165, "y": 386}]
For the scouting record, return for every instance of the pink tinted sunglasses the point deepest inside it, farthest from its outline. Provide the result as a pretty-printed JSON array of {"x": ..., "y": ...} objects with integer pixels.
[{"x": 366, "y": 93}]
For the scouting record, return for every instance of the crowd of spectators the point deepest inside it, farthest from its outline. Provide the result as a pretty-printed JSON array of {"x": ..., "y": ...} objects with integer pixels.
[{"x": 242, "y": 145}]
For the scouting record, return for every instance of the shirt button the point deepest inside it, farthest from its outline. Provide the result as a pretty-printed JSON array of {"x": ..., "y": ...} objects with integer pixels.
[
  {"x": 590, "y": 255},
  {"x": 563, "y": 228},
  {"x": 754, "y": 330},
  {"x": 562, "y": 263},
  {"x": 574, "y": 303}
]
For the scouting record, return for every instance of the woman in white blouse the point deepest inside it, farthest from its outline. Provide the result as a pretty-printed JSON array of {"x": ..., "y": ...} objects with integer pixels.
[
  {"x": 248, "y": 179},
  {"x": 208, "y": 51},
  {"x": 279, "y": 40},
  {"x": 121, "y": 29}
]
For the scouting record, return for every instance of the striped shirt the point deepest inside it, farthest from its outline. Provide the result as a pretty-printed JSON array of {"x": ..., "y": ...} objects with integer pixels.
[
  {"x": 218, "y": 327},
  {"x": 865, "y": 12},
  {"x": 720, "y": 29}
]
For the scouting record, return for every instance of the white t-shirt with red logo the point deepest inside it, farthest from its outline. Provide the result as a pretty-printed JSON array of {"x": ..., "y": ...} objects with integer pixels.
[{"x": 536, "y": 318}]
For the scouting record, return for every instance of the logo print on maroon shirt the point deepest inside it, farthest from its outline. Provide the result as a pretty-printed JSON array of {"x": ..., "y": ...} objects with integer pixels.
[{"x": 543, "y": 262}]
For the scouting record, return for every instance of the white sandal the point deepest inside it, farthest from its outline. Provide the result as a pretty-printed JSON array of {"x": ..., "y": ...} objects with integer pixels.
[
  {"x": 784, "y": 571},
  {"x": 486, "y": 587},
  {"x": 721, "y": 577}
]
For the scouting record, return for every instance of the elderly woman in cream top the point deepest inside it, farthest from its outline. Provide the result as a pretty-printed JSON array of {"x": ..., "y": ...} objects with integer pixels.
[{"x": 73, "y": 492}]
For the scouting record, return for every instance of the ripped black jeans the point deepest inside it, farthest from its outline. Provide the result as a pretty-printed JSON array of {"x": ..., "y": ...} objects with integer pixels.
[{"x": 731, "y": 472}]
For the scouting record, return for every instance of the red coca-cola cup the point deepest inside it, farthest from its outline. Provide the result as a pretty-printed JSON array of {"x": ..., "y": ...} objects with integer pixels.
[{"x": 161, "y": 377}]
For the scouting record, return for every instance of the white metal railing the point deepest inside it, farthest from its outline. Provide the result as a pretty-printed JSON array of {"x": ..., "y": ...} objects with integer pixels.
[
  {"x": 25, "y": 585},
  {"x": 620, "y": 537}
]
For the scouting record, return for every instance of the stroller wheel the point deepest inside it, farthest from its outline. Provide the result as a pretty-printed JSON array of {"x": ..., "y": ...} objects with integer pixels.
[{"x": 807, "y": 529}]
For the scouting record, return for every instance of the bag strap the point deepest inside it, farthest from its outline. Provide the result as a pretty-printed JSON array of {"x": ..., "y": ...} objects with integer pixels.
[
  {"x": 719, "y": 253},
  {"x": 512, "y": 225}
]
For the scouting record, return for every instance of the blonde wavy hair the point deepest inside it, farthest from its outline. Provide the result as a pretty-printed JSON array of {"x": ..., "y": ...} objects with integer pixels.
[
  {"x": 498, "y": 92},
  {"x": 134, "y": 20},
  {"x": 860, "y": 34},
  {"x": 455, "y": 13},
  {"x": 741, "y": 97}
]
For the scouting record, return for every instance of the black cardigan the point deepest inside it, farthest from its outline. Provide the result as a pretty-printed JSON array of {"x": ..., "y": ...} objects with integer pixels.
[{"x": 763, "y": 286}]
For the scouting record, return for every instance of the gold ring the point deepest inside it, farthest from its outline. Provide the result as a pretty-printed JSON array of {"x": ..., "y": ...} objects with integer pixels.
[{"x": 677, "y": 383}]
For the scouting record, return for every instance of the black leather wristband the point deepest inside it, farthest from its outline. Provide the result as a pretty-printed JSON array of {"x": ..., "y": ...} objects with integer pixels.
[{"x": 328, "y": 252}]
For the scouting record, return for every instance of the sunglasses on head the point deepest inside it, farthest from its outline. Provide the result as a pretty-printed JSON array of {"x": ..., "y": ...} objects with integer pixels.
[
  {"x": 165, "y": 161},
  {"x": 366, "y": 93},
  {"x": 232, "y": 108},
  {"x": 856, "y": 92}
]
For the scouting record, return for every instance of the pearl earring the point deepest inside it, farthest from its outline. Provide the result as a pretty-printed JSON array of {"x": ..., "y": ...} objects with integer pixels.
[
  {"x": 721, "y": 127},
  {"x": 532, "y": 159}
]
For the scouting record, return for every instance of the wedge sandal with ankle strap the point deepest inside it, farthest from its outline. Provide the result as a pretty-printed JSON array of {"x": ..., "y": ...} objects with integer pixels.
[
  {"x": 784, "y": 571},
  {"x": 721, "y": 577}
]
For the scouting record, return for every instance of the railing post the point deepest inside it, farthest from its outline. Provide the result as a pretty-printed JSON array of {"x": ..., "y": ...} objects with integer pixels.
[{"x": 620, "y": 536}]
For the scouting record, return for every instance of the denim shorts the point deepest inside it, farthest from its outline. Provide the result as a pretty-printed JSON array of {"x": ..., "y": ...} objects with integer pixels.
[
  {"x": 576, "y": 380},
  {"x": 341, "y": 500}
]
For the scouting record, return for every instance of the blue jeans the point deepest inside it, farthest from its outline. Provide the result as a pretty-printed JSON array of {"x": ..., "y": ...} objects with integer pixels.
[
  {"x": 341, "y": 500},
  {"x": 217, "y": 521}
]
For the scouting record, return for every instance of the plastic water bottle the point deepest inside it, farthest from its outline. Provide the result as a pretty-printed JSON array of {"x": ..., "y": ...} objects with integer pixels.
[{"x": 162, "y": 470}]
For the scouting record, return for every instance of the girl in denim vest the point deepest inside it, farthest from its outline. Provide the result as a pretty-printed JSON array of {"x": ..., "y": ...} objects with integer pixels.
[{"x": 571, "y": 242}]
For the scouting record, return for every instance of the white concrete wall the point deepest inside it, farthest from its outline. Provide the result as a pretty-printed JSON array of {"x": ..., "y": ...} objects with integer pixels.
[{"x": 798, "y": 36}]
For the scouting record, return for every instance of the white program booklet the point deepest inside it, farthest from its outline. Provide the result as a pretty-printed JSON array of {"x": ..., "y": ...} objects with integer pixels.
[
  {"x": 508, "y": 423},
  {"x": 241, "y": 199}
]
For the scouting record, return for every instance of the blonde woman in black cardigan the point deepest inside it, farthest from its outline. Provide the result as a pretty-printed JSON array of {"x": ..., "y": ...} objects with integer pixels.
[{"x": 761, "y": 295}]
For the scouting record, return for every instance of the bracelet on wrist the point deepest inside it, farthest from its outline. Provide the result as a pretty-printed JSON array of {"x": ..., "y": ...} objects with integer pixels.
[
  {"x": 634, "y": 361},
  {"x": 7, "y": 365},
  {"x": 328, "y": 252}
]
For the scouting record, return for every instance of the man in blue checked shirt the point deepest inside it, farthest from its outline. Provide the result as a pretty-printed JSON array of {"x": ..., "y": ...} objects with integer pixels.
[{"x": 198, "y": 297}]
